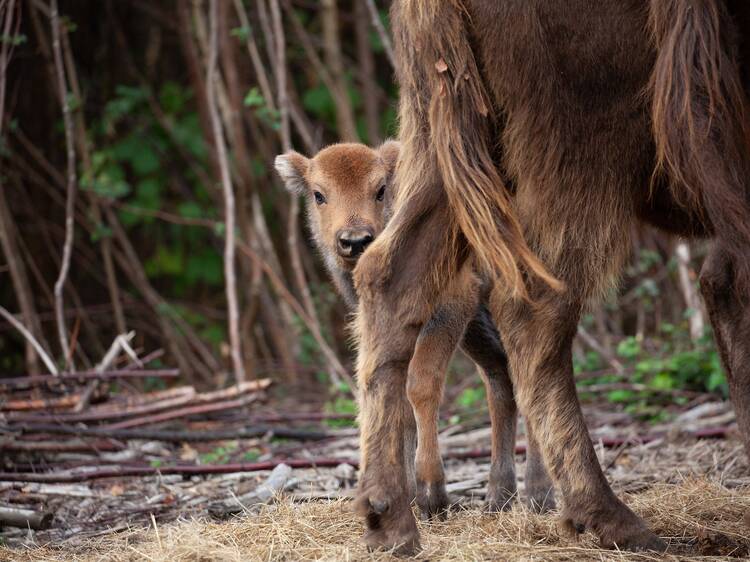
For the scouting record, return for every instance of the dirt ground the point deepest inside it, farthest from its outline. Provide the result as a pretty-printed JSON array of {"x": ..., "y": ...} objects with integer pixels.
[{"x": 693, "y": 493}]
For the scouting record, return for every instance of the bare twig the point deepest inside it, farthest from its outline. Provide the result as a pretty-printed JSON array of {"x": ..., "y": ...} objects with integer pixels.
[
  {"x": 31, "y": 339},
  {"x": 71, "y": 183},
  {"x": 375, "y": 16},
  {"x": 229, "y": 212},
  {"x": 121, "y": 343}
]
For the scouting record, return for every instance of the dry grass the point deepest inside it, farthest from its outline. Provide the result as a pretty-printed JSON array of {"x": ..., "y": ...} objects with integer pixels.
[{"x": 701, "y": 520}]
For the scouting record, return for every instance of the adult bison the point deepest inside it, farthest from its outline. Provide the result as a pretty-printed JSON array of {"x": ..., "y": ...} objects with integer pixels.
[{"x": 535, "y": 134}]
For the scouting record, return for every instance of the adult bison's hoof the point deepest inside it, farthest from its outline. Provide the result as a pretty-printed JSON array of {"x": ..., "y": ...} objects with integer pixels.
[
  {"x": 390, "y": 523},
  {"x": 432, "y": 500},
  {"x": 500, "y": 498},
  {"x": 641, "y": 541},
  {"x": 631, "y": 534}
]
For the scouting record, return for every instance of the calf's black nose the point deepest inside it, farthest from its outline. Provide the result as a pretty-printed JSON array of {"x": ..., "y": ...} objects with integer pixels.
[{"x": 351, "y": 243}]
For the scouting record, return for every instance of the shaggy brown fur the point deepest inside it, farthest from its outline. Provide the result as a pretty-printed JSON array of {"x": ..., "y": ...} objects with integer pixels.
[
  {"x": 568, "y": 121},
  {"x": 355, "y": 182}
]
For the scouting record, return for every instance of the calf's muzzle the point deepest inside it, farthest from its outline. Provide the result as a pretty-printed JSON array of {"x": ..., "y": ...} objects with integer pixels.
[{"x": 350, "y": 243}]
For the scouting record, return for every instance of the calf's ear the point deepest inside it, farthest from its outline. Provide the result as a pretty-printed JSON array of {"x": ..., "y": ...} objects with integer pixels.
[
  {"x": 389, "y": 151},
  {"x": 292, "y": 167}
]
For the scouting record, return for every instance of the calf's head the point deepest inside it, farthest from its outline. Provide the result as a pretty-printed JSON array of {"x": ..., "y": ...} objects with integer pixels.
[{"x": 349, "y": 193}]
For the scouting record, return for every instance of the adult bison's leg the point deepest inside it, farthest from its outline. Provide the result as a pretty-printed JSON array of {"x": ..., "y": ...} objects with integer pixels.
[
  {"x": 728, "y": 303},
  {"x": 538, "y": 344},
  {"x": 427, "y": 371},
  {"x": 482, "y": 343}
]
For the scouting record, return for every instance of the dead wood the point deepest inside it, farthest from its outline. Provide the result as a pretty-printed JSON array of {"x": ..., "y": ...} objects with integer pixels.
[{"x": 25, "y": 518}]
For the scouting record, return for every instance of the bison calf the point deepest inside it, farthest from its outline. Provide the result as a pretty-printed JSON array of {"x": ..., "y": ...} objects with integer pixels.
[{"x": 350, "y": 196}]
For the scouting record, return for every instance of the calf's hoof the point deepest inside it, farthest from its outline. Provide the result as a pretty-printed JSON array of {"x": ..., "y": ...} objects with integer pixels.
[
  {"x": 540, "y": 499},
  {"x": 390, "y": 523},
  {"x": 432, "y": 500}
]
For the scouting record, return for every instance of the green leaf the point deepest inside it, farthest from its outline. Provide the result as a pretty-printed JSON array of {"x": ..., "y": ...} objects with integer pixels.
[
  {"x": 101, "y": 231},
  {"x": 190, "y": 210},
  {"x": 148, "y": 194},
  {"x": 242, "y": 33},
  {"x": 172, "y": 97},
  {"x": 629, "y": 348},
  {"x": 254, "y": 98},
  {"x": 620, "y": 395}
]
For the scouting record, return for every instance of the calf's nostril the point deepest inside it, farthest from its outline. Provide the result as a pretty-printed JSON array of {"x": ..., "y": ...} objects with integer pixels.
[{"x": 352, "y": 244}]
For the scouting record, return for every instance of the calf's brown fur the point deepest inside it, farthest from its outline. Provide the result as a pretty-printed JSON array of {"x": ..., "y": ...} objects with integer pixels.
[
  {"x": 349, "y": 189},
  {"x": 567, "y": 122}
]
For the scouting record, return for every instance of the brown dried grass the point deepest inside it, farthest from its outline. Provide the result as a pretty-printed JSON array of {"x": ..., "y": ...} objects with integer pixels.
[{"x": 701, "y": 520}]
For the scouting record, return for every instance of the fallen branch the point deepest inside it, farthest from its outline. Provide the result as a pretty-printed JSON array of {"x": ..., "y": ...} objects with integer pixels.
[
  {"x": 72, "y": 446},
  {"x": 41, "y": 404},
  {"x": 185, "y": 412},
  {"x": 121, "y": 343},
  {"x": 96, "y": 473},
  {"x": 178, "y": 397},
  {"x": 25, "y": 518},
  {"x": 100, "y": 414},
  {"x": 179, "y": 436},
  {"x": 85, "y": 375}
]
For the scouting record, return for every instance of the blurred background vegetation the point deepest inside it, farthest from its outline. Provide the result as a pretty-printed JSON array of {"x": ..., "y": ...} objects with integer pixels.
[{"x": 150, "y": 205}]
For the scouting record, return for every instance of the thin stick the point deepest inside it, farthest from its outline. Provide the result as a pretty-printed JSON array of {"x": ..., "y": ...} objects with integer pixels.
[
  {"x": 31, "y": 339},
  {"x": 229, "y": 213},
  {"x": 378, "y": 25},
  {"x": 71, "y": 186}
]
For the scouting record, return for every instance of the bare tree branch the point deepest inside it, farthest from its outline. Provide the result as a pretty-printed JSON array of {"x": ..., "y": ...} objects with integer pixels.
[
  {"x": 229, "y": 211},
  {"x": 382, "y": 33},
  {"x": 71, "y": 185}
]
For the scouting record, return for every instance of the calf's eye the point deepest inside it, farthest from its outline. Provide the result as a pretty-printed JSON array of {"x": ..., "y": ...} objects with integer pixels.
[
  {"x": 319, "y": 198},
  {"x": 380, "y": 195}
]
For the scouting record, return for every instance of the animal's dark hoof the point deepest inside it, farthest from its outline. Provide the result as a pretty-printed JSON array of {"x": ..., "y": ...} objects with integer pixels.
[
  {"x": 432, "y": 500},
  {"x": 389, "y": 520},
  {"x": 500, "y": 499}
]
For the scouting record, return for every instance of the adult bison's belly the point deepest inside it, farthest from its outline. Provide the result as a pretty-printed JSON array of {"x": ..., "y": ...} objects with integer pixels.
[
  {"x": 568, "y": 78},
  {"x": 568, "y": 55}
]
